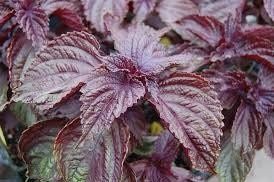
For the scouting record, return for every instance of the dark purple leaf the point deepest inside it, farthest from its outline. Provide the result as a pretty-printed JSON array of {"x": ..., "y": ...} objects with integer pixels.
[
  {"x": 192, "y": 112},
  {"x": 247, "y": 128},
  {"x": 36, "y": 149},
  {"x": 142, "y": 44},
  {"x": 206, "y": 28},
  {"x": 105, "y": 97},
  {"x": 34, "y": 22},
  {"x": 142, "y": 8},
  {"x": 95, "y": 10},
  {"x": 98, "y": 158},
  {"x": 165, "y": 149},
  {"x": 269, "y": 7},
  {"x": 20, "y": 55},
  {"x": 128, "y": 174},
  {"x": 228, "y": 85},
  {"x": 268, "y": 139},
  {"x": 134, "y": 118},
  {"x": 59, "y": 70},
  {"x": 70, "y": 18}
]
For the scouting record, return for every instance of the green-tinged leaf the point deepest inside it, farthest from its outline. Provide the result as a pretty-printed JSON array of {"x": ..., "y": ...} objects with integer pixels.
[
  {"x": 232, "y": 166},
  {"x": 3, "y": 87},
  {"x": 23, "y": 113},
  {"x": 98, "y": 158},
  {"x": 36, "y": 148},
  {"x": 8, "y": 171},
  {"x": 2, "y": 137}
]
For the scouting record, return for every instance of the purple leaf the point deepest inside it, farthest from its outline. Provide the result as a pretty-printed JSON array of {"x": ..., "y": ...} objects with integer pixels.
[
  {"x": 165, "y": 149},
  {"x": 206, "y": 28},
  {"x": 105, "y": 97},
  {"x": 20, "y": 55},
  {"x": 228, "y": 85},
  {"x": 172, "y": 11},
  {"x": 134, "y": 118},
  {"x": 59, "y": 70},
  {"x": 220, "y": 9},
  {"x": 142, "y": 44},
  {"x": 192, "y": 112},
  {"x": 50, "y": 6},
  {"x": 99, "y": 158},
  {"x": 128, "y": 174},
  {"x": 70, "y": 18},
  {"x": 36, "y": 149},
  {"x": 34, "y": 22},
  {"x": 247, "y": 127},
  {"x": 95, "y": 10},
  {"x": 142, "y": 8},
  {"x": 269, "y": 7},
  {"x": 268, "y": 138}
]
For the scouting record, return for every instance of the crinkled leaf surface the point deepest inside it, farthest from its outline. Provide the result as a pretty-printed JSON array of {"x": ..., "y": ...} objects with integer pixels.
[
  {"x": 206, "y": 28},
  {"x": 51, "y": 6},
  {"x": 105, "y": 97},
  {"x": 95, "y": 10},
  {"x": 59, "y": 70},
  {"x": 247, "y": 127},
  {"x": 142, "y": 44},
  {"x": 268, "y": 139},
  {"x": 99, "y": 157},
  {"x": 269, "y": 7},
  {"x": 128, "y": 174},
  {"x": 227, "y": 84},
  {"x": 36, "y": 148},
  {"x": 20, "y": 55},
  {"x": 192, "y": 112},
  {"x": 232, "y": 165},
  {"x": 33, "y": 20}
]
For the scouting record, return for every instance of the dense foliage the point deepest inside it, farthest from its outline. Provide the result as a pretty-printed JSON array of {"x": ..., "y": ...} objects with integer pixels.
[{"x": 135, "y": 90}]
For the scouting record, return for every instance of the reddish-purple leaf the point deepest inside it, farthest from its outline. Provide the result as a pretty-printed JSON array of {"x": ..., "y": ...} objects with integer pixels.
[
  {"x": 70, "y": 18},
  {"x": 206, "y": 28},
  {"x": 105, "y": 97},
  {"x": 262, "y": 94},
  {"x": 142, "y": 44},
  {"x": 59, "y": 70},
  {"x": 220, "y": 9},
  {"x": 228, "y": 85},
  {"x": 192, "y": 112},
  {"x": 266, "y": 32},
  {"x": 172, "y": 11},
  {"x": 135, "y": 119},
  {"x": 95, "y": 10},
  {"x": 128, "y": 174},
  {"x": 36, "y": 148},
  {"x": 99, "y": 157},
  {"x": 51, "y": 6},
  {"x": 20, "y": 54},
  {"x": 268, "y": 138},
  {"x": 142, "y": 8},
  {"x": 34, "y": 22},
  {"x": 269, "y": 7},
  {"x": 165, "y": 149},
  {"x": 247, "y": 127}
]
